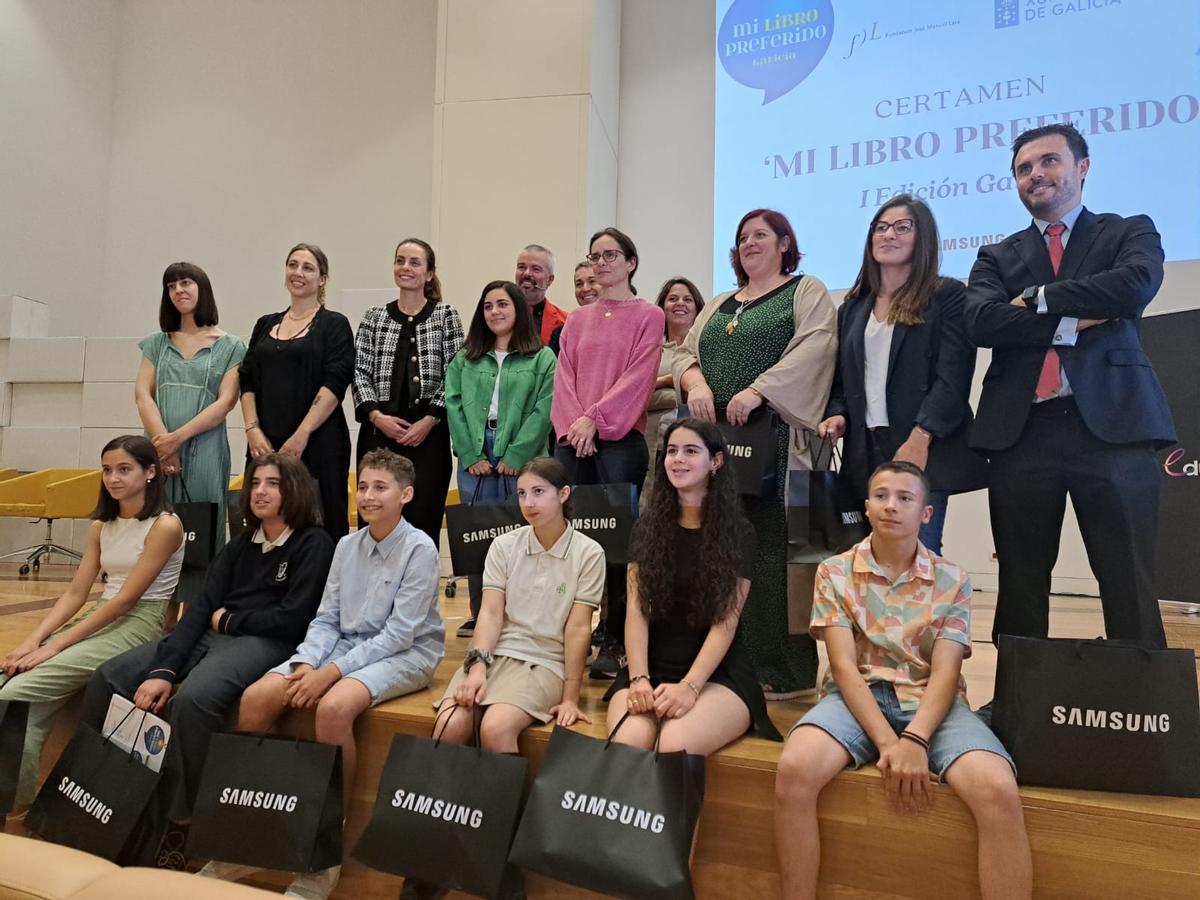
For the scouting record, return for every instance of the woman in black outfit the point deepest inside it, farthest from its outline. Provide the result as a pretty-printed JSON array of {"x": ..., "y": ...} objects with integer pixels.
[
  {"x": 692, "y": 555},
  {"x": 904, "y": 364},
  {"x": 401, "y": 354},
  {"x": 295, "y": 374}
]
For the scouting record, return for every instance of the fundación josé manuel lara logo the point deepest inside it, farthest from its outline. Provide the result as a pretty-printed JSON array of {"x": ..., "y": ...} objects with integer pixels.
[{"x": 773, "y": 45}]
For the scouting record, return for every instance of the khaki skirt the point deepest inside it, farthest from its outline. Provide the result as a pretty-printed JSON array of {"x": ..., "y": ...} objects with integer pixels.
[{"x": 529, "y": 686}]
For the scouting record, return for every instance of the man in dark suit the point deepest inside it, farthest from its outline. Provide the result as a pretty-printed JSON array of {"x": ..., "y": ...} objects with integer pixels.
[{"x": 1071, "y": 405}]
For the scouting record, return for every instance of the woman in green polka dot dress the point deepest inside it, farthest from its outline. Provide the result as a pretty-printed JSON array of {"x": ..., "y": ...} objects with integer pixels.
[{"x": 773, "y": 341}]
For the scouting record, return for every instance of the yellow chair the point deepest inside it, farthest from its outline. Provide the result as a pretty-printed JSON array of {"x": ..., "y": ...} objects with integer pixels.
[{"x": 49, "y": 494}]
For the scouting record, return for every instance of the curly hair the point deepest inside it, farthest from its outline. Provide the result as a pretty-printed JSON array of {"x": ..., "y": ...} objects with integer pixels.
[{"x": 711, "y": 590}]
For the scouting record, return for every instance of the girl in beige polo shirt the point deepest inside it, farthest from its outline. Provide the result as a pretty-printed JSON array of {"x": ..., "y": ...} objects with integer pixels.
[{"x": 541, "y": 584}]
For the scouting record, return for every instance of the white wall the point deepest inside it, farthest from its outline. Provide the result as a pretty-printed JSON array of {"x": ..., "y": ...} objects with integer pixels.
[
  {"x": 56, "y": 92},
  {"x": 665, "y": 202},
  {"x": 665, "y": 157},
  {"x": 242, "y": 128}
]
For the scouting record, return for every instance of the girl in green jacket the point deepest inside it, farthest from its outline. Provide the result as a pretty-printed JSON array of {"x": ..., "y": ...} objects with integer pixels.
[{"x": 498, "y": 392}]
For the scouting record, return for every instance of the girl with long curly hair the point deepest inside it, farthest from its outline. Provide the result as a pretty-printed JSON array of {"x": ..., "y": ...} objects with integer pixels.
[{"x": 691, "y": 557}]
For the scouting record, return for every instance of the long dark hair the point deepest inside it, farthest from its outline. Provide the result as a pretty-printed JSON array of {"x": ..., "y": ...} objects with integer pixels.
[
  {"x": 144, "y": 455},
  {"x": 779, "y": 224},
  {"x": 910, "y": 302},
  {"x": 625, "y": 242},
  {"x": 298, "y": 506},
  {"x": 433, "y": 287},
  {"x": 661, "y": 302},
  {"x": 205, "y": 315},
  {"x": 713, "y": 575},
  {"x": 481, "y": 339}
]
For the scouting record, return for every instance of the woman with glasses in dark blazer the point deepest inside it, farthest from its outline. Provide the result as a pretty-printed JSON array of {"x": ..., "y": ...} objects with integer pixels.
[{"x": 904, "y": 364}]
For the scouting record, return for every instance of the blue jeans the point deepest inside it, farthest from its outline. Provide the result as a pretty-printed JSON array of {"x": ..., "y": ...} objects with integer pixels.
[
  {"x": 931, "y": 532},
  {"x": 484, "y": 489}
]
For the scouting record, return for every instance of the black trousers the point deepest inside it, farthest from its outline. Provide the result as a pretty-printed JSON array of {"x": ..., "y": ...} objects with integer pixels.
[
  {"x": 1114, "y": 491},
  {"x": 219, "y": 668},
  {"x": 432, "y": 461},
  {"x": 623, "y": 460}
]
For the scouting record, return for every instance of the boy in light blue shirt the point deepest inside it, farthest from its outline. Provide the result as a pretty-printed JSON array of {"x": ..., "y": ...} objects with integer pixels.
[{"x": 377, "y": 634}]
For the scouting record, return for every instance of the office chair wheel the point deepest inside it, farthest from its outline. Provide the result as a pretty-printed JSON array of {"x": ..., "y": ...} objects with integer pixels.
[
  {"x": 24, "y": 570},
  {"x": 451, "y": 588},
  {"x": 37, "y": 565}
]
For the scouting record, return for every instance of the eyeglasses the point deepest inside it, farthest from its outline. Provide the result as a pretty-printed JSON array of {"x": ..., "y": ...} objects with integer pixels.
[
  {"x": 607, "y": 255},
  {"x": 902, "y": 226}
]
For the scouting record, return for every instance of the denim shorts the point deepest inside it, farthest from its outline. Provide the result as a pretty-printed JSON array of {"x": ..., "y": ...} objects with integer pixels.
[{"x": 960, "y": 732}]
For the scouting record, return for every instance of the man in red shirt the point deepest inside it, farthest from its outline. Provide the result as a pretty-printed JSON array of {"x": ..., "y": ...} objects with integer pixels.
[{"x": 535, "y": 274}]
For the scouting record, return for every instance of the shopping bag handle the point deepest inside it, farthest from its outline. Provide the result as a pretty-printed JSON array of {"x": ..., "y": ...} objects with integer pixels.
[
  {"x": 437, "y": 741},
  {"x": 834, "y": 457},
  {"x": 1110, "y": 645},
  {"x": 657, "y": 732},
  {"x": 108, "y": 738}
]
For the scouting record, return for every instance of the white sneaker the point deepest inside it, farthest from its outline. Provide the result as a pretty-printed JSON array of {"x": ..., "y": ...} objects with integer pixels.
[
  {"x": 224, "y": 871},
  {"x": 315, "y": 885}
]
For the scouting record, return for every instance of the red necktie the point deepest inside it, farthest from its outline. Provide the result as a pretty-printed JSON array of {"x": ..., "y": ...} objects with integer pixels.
[{"x": 1050, "y": 379}]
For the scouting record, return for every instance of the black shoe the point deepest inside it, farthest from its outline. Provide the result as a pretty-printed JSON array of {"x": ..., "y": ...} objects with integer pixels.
[
  {"x": 466, "y": 629},
  {"x": 599, "y": 634},
  {"x": 608, "y": 662},
  {"x": 415, "y": 889},
  {"x": 170, "y": 849}
]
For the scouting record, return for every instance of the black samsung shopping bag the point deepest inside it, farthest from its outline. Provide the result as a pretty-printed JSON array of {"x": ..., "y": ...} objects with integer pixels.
[
  {"x": 471, "y": 527},
  {"x": 612, "y": 818},
  {"x": 274, "y": 803},
  {"x": 200, "y": 522},
  {"x": 824, "y": 517},
  {"x": 753, "y": 450},
  {"x": 445, "y": 814},
  {"x": 1099, "y": 715},
  {"x": 13, "y": 717},
  {"x": 94, "y": 797},
  {"x": 606, "y": 513}
]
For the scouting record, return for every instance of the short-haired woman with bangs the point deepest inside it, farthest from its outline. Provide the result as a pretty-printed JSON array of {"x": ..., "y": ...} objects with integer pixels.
[
  {"x": 498, "y": 392},
  {"x": 903, "y": 381},
  {"x": 692, "y": 557},
  {"x": 259, "y": 595},
  {"x": 402, "y": 350},
  {"x": 187, "y": 384},
  {"x": 294, "y": 377},
  {"x": 138, "y": 542}
]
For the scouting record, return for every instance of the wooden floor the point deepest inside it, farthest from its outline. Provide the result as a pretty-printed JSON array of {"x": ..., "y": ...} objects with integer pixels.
[{"x": 1086, "y": 844}]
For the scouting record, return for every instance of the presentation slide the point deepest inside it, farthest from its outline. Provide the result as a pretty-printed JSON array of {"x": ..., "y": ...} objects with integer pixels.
[{"x": 825, "y": 109}]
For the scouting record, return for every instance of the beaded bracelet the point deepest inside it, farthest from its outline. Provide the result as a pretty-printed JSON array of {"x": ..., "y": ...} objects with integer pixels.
[{"x": 695, "y": 690}]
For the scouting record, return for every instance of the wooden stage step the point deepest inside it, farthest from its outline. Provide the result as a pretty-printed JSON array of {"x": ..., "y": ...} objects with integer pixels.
[{"x": 1085, "y": 844}]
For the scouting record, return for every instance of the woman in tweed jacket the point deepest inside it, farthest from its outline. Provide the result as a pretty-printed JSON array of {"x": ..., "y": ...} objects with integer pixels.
[{"x": 401, "y": 354}]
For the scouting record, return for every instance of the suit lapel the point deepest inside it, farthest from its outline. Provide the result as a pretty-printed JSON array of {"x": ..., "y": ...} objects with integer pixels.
[
  {"x": 856, "y": 326},
  {"x": 1031, "y": 247},
  {"x": 1079, "y": 242},
  {"x": 898, "y": 333}
]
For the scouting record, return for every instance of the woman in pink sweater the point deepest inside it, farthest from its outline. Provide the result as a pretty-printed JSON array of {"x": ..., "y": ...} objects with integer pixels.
[{"x": 607, "y": 366}]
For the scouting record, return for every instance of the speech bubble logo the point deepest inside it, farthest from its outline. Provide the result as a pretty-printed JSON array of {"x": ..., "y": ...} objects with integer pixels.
[{"x": 773, "y": 45}]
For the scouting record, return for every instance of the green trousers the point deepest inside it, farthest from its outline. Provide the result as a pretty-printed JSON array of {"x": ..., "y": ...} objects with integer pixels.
[{"x": 48, "y": 687}]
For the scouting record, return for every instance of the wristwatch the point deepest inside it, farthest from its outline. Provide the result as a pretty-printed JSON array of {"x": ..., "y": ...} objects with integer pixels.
[
  {"x": 1030, "y": 296},
  {"x": 475, "y": 655}
]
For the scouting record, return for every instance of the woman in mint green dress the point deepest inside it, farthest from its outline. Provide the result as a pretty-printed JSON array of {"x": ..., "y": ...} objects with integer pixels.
[{"x": 186, "y": 385}]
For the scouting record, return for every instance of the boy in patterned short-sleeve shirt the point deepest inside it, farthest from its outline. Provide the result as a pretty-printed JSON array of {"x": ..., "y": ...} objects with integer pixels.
[{"x": 896, "y": 622}]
